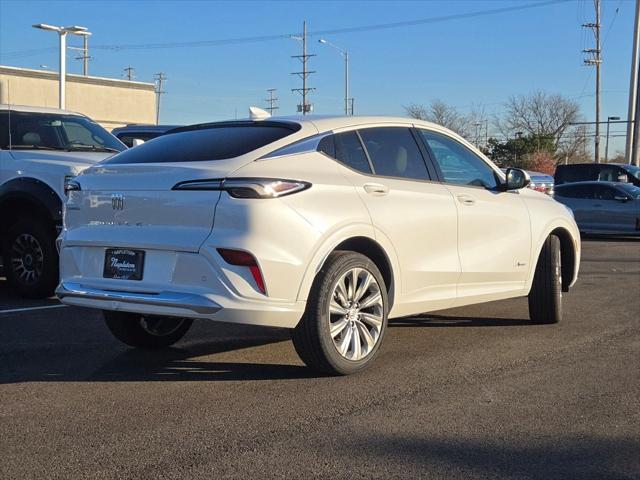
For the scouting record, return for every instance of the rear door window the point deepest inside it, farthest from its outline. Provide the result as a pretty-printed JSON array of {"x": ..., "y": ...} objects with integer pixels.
[
  {"x": 207, "y": 143},
  {"x": 394, "y": 152},
  {"x": 328, "y": 146},
  {"x": 349, "y": 150}
]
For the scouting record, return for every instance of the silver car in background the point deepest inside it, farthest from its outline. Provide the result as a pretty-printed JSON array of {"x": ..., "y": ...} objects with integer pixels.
[{"x": 603, "y": 207}]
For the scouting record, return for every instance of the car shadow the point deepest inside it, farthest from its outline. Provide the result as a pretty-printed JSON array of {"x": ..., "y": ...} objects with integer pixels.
[
  {"x": 91, "y": 355},
  {"x": 184, "y": 364},
  {"x": 429, "y": 320}
]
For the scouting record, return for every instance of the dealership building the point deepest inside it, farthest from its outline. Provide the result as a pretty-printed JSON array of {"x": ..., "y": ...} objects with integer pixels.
[{"x": 110, "y": 102}]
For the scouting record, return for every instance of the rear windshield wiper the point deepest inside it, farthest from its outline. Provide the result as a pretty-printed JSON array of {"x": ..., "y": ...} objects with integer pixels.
[{"x": 92, "y": 148}]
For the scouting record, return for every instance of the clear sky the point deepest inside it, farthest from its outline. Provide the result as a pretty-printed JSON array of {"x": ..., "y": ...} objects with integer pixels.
[{"x": 478, "y": 60}]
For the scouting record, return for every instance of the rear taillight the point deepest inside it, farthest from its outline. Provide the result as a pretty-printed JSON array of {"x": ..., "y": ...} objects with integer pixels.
[
  {"x": 241, "y": 258},
  {"x": 248, "y": 187}
]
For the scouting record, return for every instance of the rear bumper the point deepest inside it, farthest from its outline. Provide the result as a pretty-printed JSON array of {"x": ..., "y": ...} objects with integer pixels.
[
  {"x": 198, "y": 304},
  {"x": 203, "y": 305}
]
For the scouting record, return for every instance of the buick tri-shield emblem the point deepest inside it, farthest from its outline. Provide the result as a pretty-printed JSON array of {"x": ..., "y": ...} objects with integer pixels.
[{"x": 117, "y": 201}]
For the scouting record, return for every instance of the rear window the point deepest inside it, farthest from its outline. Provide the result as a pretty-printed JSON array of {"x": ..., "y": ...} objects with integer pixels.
[
  {"x": 206, "y": 143},
  {"x": 575, "y": 173}
]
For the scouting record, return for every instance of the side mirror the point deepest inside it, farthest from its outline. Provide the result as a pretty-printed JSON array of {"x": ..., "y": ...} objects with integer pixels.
[
  {"x": 621, "y": 198},
  {"x": 622, "y": 178},
  {"x": 516, "y": 179},
  {"x": 137, "y": 141}
]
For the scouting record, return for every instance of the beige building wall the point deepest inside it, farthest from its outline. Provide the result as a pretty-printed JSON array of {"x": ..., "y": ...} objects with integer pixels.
[{"x": 110, "y": 102}]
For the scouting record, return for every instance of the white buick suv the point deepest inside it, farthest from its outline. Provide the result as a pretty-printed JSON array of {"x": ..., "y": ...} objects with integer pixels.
[{"x": 326, "y": 226}]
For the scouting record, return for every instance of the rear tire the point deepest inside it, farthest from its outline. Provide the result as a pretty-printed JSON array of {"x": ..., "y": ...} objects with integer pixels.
[
  {"x": 146, "y": 331},
  {"x": 346, "y": 316},
  {"x": 545, "y": 298},
  {"x": 30, "y": 258}
]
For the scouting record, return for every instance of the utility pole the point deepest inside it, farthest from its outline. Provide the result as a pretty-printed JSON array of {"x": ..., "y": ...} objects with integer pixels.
[
  {"x": 85, "y": 54},
  {"x": 635, "y": 146},
  {"x": 129, "y": 73},
  {"x": 595, "y": 59},
  {"x": 159, "y": 79},
  {"x": 633, "y": 92},
  {"x": 305, "y": 107},
  {"x": 272, "y": 101}
]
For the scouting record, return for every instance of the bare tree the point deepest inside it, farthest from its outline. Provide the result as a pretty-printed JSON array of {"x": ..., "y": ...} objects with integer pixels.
[
  {"x": 446, "y": 115},
  {"x": 543, "y": 115}
]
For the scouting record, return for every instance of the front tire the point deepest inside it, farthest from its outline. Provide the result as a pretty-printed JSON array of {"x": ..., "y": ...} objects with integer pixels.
[
  {"x": 146, "y": 331},
  {"x": 346, "y": 316},
  {"x": 30, "y": 258},
  {"x": 545, "y": 298}
]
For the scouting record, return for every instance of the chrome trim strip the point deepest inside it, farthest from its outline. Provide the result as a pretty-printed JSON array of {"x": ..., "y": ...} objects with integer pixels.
[{"x": 189, "y": 301}]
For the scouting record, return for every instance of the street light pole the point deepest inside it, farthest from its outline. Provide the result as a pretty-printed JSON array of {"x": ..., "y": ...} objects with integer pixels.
[
  {"x": 62, "y": 34},
  {"x": 62, "y": 70},
  {"x": 346, "y": 83},
  {"x": 345, "y": 55},
  {"x": 606, "y": 148}
]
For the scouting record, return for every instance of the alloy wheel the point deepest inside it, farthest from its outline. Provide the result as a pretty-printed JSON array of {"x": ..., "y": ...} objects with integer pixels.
[
  {"x": 27, "y": 258},
  {"x": 356, "y": 314}
]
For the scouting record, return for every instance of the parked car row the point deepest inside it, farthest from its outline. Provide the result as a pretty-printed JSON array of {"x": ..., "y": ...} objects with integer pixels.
[{"x": 605, "y": 198}]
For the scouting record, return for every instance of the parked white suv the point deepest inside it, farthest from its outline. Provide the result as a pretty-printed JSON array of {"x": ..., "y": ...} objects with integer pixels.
[
  {"x": 40, "y": 148},
  {"x": 327, "y": 226}
]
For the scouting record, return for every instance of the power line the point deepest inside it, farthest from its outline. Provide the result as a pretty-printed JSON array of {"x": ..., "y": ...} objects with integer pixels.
[{"x": 335, "y": 31}]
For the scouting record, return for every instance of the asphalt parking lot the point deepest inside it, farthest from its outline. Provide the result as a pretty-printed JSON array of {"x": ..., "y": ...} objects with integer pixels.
[{"x": 475, "y": 392}]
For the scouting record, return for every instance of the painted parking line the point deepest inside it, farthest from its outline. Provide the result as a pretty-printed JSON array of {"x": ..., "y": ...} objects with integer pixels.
[{"x": 30, "y": 309}]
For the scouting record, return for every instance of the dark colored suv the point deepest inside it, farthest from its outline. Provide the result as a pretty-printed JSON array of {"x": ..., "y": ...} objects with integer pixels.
[{"x": 607, "y": 172}]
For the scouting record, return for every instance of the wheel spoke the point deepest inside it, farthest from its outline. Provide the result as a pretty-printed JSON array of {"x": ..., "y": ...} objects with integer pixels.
[
  {"x": 364, "y": 286},
  {"x": 338, "y": 327},
  {"x": 371, "y": 319},
  {"x": 356, "y": 346},
  {"x": 364, "y": 332},
  {"x": 373, "y": 299},
  {"x": 343, "y": 348},
  {"x": 341, "y": 292},
  {"x": 353, "y": 284},
  {"x": 337, "y": 309}
]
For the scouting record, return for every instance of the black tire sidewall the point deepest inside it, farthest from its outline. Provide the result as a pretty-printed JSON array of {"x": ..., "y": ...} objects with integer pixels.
[
  {"x": 45, "y": 235},
  {"x": 545, "y": 298},
  {"x": 334, "y": 268}
]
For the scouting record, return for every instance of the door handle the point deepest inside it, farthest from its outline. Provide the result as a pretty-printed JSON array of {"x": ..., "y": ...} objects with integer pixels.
[
  {"x": 466, "y": 199},
  {"x": 376, "y": 188}
]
